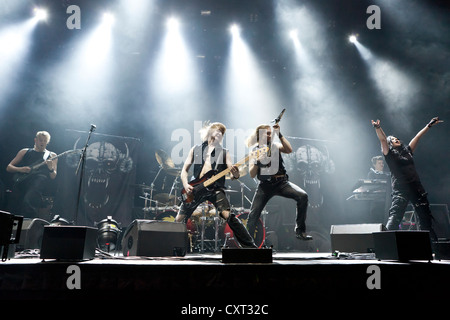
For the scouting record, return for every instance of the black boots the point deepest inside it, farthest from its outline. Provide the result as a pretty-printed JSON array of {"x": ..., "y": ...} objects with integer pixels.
[{"x": 240, "y": 232}]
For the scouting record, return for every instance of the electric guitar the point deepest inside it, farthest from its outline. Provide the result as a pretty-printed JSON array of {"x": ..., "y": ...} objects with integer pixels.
[
  {"x": 18, "y": 177},
  {"x": 204, "y": 186}
]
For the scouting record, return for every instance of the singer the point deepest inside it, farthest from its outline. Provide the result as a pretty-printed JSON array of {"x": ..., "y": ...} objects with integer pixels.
[
  {"x": 27, "y": 197},
  {"x": 406, "y": 184},
  {"x": 273, "y": 180}
]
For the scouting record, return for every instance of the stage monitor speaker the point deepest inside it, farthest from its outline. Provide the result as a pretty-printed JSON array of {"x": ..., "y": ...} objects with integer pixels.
[
  {"x": 354, "y": 237},
  {"x": 154, "y": 238},
  {"x": 10, "y": 231},
  {"x": 32, "y": 232},
  {"x": 402, "y": 245},
  {"x": 68, "y": 243},
  {"x": 441, "y": 220},
  {"x": 441, "y": 250}
]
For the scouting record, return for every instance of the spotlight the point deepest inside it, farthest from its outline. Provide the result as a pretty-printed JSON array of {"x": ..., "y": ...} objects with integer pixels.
[
  {"x": 352, "y": 38},
  {"x": 234, "y": 29},
  {"x": 293, "y": 34},
  {"x": 108, "y": 18},
  {"x": 108, "y": 234},
  {"x": 172, "y": 23},
  {"x": 40, "y": 14}
]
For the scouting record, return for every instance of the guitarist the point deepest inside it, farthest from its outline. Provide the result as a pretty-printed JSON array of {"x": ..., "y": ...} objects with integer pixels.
[
  {"x": 210, "y": 155},
  {"x": 27, "y": 195},
  {"x": 273, "y": 180}
]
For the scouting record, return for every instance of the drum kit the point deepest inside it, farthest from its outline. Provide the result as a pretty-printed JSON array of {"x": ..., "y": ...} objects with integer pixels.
[{"x": 206, "y": 230}]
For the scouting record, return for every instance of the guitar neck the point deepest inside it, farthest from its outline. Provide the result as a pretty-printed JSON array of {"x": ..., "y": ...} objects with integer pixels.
[
  {"x": 51, "y": 159},
  {"x": 224, "y": 172}
]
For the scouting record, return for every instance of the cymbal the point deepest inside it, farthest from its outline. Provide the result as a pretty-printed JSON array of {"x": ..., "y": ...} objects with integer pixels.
[
  {"x": 173, "y": 171},
  {"x": 163, "y": 159},
  {"x": 142, "y": 186},
  {"x": 164, "y": 197}
]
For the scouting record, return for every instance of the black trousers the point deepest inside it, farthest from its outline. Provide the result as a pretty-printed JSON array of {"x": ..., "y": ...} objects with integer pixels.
[
  {"x": 28, "y": 196},
  {"x": 403, "y": 194},
  {"x": 284, "y": 188}
]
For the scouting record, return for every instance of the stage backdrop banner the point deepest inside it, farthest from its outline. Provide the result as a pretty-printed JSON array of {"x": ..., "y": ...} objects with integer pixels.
[{"x": 107, "y": 179}]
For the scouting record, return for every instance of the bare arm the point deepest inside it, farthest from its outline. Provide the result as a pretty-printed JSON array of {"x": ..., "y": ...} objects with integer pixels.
[
  {"x": 12, "y": 166},
  {"x": 52, "y": 165},
  {"x": 415, "y": 140},
  {"x": 381, "y": 136},
  {"x": 234, "y": 170},
  {"x": 185, "y": 172}
]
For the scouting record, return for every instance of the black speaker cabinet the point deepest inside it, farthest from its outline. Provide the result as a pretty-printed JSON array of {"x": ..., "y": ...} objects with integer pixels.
[
  {"x": 441, "y": 220},
  {"x": 32, "y": 232},
  {"x": 354, "y": 237},
  {"x": 154, "y": 238},
  {"x": 403, "y": 245},
  {"x": 68, "y": 243},
  {"x": 10, "y": 231}
]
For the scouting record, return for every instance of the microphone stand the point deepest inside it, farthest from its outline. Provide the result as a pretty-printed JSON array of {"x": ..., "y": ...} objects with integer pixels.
[{"x": 81, "y": 163}]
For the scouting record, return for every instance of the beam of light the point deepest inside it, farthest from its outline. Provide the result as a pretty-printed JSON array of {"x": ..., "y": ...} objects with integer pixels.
[
  {"x": 317, "y": 93},
  {"x": 396, "y": 87},
  {"x": 421, "y": 29},
  {"x": 15, "y": 43},
  {"x": 248, "y": 90},
  {"x": 81, "y": 84},
  {"x": 177, "y": 95}
]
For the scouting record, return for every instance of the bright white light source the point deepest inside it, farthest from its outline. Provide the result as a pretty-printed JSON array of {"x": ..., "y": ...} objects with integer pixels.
[
  {"x": 40, "y": 14},
  {"x": 293, "y": 34},
  {"x": 234, "y": 29},
  {"x": 173, "y": 23},
  {"x": 108, "y": 18},
  {"x": 352, "y": 38}
]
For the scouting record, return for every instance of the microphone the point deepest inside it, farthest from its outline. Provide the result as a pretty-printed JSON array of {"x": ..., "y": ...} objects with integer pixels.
[{"x": 277, "y": 119}]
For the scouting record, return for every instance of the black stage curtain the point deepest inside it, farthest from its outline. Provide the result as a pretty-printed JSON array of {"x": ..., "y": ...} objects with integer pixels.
[{"x": 106, "y": 181}]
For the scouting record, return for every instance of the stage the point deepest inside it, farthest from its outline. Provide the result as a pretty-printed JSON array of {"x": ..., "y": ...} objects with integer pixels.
[{"x": 196, "y": 280}]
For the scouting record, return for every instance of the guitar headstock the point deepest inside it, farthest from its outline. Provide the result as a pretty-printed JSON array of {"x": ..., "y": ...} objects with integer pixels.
[{"x": 259, "y": 151}]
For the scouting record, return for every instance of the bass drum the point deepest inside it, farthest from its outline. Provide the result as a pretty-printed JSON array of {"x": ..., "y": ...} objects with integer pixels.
[
  {"x": 170, "y": 215},
  {"x": 259, "y": 235}
]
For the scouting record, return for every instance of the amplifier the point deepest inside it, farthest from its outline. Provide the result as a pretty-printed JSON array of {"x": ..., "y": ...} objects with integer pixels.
[{"x": 155, "y": 238}]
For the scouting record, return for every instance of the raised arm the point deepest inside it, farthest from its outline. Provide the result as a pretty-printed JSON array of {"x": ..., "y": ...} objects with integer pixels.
[
  {"x": 381, "y": 136},
  {"x": 285, "y": 144},
  {"x": 415, "y": 140}
]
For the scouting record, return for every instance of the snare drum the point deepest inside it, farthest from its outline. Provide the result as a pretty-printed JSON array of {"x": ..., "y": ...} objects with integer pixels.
[{"x": 259, "y": 236}]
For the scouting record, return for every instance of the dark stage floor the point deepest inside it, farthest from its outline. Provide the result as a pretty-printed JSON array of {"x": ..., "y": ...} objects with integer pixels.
[{"x": 205, "y": 280}]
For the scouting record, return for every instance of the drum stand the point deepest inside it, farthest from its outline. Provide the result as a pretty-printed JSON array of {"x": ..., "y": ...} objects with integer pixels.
[
  {"x": 148, "y": 201},
  {"x": 216, "y": 230},
  {"x": 243, "y": 195},
  {"x": 174, "y": 188}
]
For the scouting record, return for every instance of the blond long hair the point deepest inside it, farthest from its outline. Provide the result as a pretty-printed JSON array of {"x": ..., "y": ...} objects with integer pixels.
[
  {"x": 205, "y": 132},
  {"x": 254, "y": 137}
]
